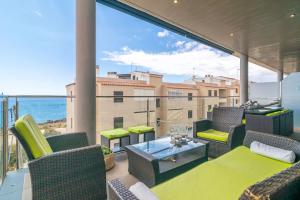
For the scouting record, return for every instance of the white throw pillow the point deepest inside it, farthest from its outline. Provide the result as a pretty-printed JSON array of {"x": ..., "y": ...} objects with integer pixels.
[
  {"x": 142, "y": 192},
  {"x": 273, "y": 152}
]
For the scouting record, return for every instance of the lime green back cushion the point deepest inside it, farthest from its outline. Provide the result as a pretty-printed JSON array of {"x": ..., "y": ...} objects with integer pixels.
[
  {"x": 115, "y": 133},
  {"x": 212, "y": 134},
  {"x": 223, "y": 178},
  {"x": 277, "y": 112},
  {"x": 140, "y": 129},
  {"x": 31, "y": 134}
]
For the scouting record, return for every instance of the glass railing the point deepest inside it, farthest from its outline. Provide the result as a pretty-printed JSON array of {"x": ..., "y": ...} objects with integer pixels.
[
  {"x": 48, "y": 111},
  {"x": 55, "y": 115},
  {"x": 1, "y": 139}
]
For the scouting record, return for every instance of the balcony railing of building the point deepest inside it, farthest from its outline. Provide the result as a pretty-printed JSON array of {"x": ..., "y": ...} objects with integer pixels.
[{"x": 55, "y": 115}]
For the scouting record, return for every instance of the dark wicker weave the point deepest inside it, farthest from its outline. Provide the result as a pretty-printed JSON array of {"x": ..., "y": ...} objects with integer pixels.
[
  {"x": 224, "y": 119},
  {"x": 148, "y": 136},
  {"x": 74, "y": 171},
  {"x": 281, "y": 124},
  {"x": 282, "y": 186},
  {"x": 273, "y": 140},
  {"x": 151, "y": 171}
]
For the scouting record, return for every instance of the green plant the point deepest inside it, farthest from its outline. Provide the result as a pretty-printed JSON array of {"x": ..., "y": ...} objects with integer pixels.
[{"x": 106, "y": 150}]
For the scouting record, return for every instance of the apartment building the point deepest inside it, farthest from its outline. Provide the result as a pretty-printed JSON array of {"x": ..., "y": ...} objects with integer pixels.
[{"x": 125, "y": 100}]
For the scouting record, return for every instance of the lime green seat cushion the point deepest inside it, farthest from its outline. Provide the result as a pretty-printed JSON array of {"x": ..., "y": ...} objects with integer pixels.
[
  {"x": 31, "y": 134},
  {"x": 212, "y": 134},
  {"x": 140, "y": 129},
  {"x": 223, "y": 178},
  {"x": 115, "y": 133}
]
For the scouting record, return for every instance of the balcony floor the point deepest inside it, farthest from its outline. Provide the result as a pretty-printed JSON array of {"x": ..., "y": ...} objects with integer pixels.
[
  {"x": 17, "y": 184},
  {"x": 13, "y": 185}
]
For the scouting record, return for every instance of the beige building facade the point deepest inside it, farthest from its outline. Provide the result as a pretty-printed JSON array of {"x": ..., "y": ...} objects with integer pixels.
[{"x": 142, "y": 98}]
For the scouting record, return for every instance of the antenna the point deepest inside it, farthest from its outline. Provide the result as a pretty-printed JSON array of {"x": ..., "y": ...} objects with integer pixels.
[{"x": 194, "y": 76}]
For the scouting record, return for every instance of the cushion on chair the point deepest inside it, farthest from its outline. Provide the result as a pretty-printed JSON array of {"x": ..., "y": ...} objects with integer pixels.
[
  {"x": 277, "y": 112},
  {"x": 115, "y": 133},
  {"x": 212, "y": 134},
  {"x": 31, "y": 134},
  {"x": 140, "y": 129}
]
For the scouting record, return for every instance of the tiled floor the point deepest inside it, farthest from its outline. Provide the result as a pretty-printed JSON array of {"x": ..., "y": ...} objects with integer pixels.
[
  {"x": 12, "y": 186},
  {"x": 121, "y": 167}
]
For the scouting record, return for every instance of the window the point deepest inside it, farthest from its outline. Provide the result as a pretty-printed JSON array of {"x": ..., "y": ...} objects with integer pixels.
[
  {"x": 236, "y": 90},
  {"x": 209, "y": 108},
  {"x": 190, "y": 114},
  {"x": 236, "y": 101},
  {"x": 157, "y": 103},
  {"x": 118, "y": 96},
  {"x": 174, "y": 93},
  {"x": 216, "y": 93},
  {"x": 209, "y": 93},
  {"x": 118, "y": 122},
  {"x": 190, "y": 96},
  {"x": 158, "y": 122}
]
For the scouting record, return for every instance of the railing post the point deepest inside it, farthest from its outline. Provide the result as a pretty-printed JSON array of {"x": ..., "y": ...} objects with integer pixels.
[
  {"x": 148, "y": 113},
  {"x": 5, "y": 138},
  {"x": 17, "y": 142}
]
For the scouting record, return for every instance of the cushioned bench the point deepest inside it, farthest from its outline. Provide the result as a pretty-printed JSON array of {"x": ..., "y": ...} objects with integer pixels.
[
  {"x": 118, "y": 133},
  {"x": 238, "y": 174},
  {"x": 135, "y": 131}
]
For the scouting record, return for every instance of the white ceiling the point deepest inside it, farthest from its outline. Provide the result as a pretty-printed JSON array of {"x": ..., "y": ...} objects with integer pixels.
[{"x": 263, "y": 29}]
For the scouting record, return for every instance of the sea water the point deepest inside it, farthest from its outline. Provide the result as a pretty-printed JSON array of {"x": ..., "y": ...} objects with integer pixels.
[{"x": 41, "y": 109}]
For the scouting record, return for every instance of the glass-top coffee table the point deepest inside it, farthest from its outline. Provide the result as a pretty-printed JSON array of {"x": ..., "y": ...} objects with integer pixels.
[{"x": 156, "y": 161}]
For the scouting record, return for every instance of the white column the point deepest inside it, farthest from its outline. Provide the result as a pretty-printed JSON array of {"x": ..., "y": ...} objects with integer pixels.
[
  {"x": 85, "y": 103},
  {"x": 243, "y": 78},
  {"x": 279, "y": 79},
  {"x": 280, "y": 72}
]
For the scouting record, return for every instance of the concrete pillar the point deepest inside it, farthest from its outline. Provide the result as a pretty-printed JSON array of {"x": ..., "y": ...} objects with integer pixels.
[
  {"x": 280, "y": 74},
  {"x": 85, "y": 103},
  {"x": 279, "y": 79},
  {"x": 243, "y": 78}
]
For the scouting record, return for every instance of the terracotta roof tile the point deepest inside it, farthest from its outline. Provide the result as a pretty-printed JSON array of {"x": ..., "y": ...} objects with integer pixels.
[{"x": 123, "y": 82}]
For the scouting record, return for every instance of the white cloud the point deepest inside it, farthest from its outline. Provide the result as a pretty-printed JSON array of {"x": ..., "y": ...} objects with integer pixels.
[
  {"x": 163, "y": 33},
  {"x": 179, "y": 43},
  {"x": 185, "y": 58},
  {"x": 38, "y": 13}
]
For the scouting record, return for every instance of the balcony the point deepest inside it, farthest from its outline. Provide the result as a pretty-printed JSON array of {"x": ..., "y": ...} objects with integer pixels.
[
  {"x": 55, "y": 115},
  {"x": 96, "y": 104}
]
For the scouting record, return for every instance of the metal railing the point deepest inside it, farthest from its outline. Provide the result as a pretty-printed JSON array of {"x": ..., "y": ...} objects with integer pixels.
[{"x": 161, "y": 112}]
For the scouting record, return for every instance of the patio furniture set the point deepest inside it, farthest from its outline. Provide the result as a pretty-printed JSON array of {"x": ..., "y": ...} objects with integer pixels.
[
  {"x": 126, "y": 137},
  {"x": 66, "y": 167}
]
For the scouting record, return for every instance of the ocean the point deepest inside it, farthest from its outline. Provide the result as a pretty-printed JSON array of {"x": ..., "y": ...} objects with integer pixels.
[{"x": 42, "y": 109}]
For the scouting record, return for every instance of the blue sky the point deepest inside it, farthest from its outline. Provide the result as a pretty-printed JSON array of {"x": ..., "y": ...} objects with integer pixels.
[{"x": 37, "y": 48}]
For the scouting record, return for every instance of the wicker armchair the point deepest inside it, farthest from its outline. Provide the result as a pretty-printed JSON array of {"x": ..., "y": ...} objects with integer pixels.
[
  {"x": 225, "y": 119},
  {"x": 74, "y": 171}
]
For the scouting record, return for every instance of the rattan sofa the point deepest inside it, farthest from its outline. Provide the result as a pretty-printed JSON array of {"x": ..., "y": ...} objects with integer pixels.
[
  {"x": 226, "y": 119},
  {"x": 279, "y": 124},
  {"x": 284, "y": 185},
  {"x": 74, "y": 171}
]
